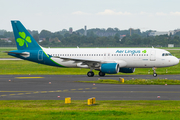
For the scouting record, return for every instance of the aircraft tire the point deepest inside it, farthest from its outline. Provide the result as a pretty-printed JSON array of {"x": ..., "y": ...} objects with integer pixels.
[
  {"x": 155, "y": 74},
  {"x": 101, "y": 74},
  {"x": 90, "y": 74}
]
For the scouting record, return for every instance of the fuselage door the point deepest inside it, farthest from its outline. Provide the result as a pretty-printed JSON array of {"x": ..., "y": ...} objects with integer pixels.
[
  {"x": 40, "y": 55},
  {"x": 153, "y": 55}
]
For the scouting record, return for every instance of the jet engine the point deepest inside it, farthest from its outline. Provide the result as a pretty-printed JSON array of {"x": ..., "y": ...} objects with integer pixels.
[
  {"x": 127, "y": 70},
  {"x": 110, "y": 68}
]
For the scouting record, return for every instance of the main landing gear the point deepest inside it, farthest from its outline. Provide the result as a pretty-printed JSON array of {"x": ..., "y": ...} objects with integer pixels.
[
  {"x": 154, "y": 72},
  {"x": 90, "y": 74},
  {"x": 101, "y": 74}
]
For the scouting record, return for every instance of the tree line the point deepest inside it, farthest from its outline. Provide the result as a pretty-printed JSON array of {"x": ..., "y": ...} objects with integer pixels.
[{"x": 94, "y": 38}]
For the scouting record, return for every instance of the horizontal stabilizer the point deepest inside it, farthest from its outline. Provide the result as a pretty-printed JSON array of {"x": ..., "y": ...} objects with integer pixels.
[{"x": 16, "y": 53}]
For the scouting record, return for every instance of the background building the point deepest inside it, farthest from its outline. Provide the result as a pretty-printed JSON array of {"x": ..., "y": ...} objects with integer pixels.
[{"x": 70, "y": 30}]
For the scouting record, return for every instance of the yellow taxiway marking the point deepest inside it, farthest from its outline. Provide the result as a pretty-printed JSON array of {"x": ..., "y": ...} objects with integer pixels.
[
  {"x": 36, "y": 92},
  {"x": 94, "y": 88},
  {"x": 28, "y": 77},
  {"x": 30, "y": 92},
  {"x": 73, "y": 89},
  {"x": 51, "y": 91},
  {"x": 43, "y": 91},
  {"x": 3, "y": 95},
  {"x": 58, "y": 91},
  {"x": 16, "y": 91},
  {"x": 80, "y": 89},
  {"x": 65, "y": 90}
]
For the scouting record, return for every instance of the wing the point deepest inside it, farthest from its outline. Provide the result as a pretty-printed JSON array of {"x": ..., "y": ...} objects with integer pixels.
[{"x": 90, "y": 62}]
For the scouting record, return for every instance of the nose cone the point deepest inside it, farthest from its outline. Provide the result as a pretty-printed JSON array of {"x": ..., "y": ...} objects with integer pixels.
[{"x": 175, "y": 61}]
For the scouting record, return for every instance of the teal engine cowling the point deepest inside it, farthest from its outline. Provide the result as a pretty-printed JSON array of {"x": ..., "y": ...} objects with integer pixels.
[
  {"x": 110, "y": 68},
  {"x": 127, "y": 70}
]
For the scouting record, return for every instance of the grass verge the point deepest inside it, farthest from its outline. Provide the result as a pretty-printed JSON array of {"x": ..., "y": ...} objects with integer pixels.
[
  {"x": 137, "y": 82},
  {"x": 78, "y": 110},
  {"x": 26, "y": 67},
  {"x": 5, "y": 55}
]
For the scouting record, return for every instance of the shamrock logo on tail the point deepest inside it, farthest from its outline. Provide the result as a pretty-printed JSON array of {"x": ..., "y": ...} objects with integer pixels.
[
  {"x": 144, "y": 51},
  {"x": 23, "y": 39}
]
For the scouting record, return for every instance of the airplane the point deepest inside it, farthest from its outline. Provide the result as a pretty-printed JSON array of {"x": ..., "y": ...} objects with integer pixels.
[{"x": 104, "y": 60}]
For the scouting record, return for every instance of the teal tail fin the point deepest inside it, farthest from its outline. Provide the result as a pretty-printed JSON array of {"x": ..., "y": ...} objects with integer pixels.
[{"x": 23, "y": 38}]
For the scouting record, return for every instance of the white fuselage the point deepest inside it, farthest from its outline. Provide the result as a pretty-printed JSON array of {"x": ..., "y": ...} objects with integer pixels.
[{"x": 126, "y": 57}]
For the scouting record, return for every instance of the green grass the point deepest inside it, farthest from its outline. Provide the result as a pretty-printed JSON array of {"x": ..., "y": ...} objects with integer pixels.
[
  {"x": 4, "y": 55},
  {"x": 175, "y": 53},
  {"x": 78, "y": 110},
  {"x": 136, "y": 82},
  {"x": 26, "y": 67}
]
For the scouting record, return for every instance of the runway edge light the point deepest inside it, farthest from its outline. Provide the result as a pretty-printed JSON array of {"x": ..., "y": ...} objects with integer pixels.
[{"x": 67, "y": 100}]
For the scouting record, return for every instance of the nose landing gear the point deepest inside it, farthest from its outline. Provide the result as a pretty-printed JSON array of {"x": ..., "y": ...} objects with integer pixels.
[{"x": 154, "y": 72}]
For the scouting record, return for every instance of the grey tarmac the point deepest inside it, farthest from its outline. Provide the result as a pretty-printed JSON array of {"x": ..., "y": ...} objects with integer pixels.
[{"x": 57, "y": 87}]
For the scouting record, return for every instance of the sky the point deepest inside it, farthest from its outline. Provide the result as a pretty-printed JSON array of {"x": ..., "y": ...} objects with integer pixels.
[{"x": 55, "y": 15}]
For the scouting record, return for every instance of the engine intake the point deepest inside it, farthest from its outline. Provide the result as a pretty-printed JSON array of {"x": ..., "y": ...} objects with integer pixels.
[{"x": 110, "y": 68}]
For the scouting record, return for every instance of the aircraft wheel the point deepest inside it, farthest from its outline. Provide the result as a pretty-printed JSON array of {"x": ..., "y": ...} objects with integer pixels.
[
  {"x": 155, "y": 74},
  {"x": 101, "y": 74},
  {"x": 90, "y": 74}
]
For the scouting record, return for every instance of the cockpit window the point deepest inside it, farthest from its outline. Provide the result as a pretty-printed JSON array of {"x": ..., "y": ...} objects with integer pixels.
[{"x": 166, "y": 54}]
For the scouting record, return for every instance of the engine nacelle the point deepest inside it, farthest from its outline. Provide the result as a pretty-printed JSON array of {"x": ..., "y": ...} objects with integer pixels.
[
  {"x": 127, "y": 70},
  {"x": 110, "y": 68}
]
